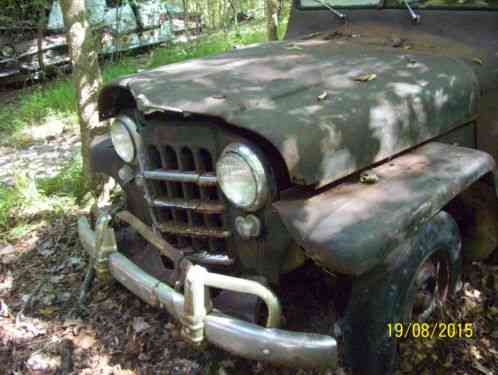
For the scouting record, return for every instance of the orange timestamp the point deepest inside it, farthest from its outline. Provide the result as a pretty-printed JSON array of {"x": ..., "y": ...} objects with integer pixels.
[{"x": 430, "y": 330}]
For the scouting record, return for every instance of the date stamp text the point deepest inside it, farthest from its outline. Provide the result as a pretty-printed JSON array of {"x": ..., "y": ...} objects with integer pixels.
[{"x": 430, "y": 330}]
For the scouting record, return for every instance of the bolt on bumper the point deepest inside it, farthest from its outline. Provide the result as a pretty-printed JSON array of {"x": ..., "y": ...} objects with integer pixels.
[{"x": 271, "y": 344}]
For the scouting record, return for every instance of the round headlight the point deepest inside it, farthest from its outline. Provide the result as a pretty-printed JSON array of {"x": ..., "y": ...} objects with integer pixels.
[
  {"x": 242, "y": 177},
  {"x": 123, "y": 135}
]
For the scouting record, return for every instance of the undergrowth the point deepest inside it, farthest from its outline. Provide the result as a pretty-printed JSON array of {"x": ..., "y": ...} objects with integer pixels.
[{"x": 32, "y": 199}]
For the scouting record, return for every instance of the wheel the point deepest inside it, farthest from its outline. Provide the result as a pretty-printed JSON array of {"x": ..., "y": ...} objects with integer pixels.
[{"x": 415, "y": 277}]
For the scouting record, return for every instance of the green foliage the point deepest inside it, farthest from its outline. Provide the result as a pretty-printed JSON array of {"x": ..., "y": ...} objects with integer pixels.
[
  {"x": 68, "y": 183},
  {"x": 31, "y": 200},
  {"x": 9, "y": 199},
  {"x": 57, "y": 99},
  {"x": 208, "y": 46}
]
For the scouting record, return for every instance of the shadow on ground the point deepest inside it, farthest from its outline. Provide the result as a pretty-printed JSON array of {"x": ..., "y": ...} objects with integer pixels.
[{"x": 40, "y": 279}]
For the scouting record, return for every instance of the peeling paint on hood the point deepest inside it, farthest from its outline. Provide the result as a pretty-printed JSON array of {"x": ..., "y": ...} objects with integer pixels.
[{"x": 273, "y": 90}]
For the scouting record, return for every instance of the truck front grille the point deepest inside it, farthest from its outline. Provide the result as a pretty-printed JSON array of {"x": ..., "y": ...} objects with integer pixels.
[{"x": 185, "y": 198}]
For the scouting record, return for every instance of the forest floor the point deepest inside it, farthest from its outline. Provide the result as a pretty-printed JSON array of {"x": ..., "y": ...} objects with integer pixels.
[{"x": 42, "y": 265}]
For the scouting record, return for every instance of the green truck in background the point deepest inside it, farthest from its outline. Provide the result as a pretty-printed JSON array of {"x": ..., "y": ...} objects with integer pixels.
[{"x": 121, "y": 26}]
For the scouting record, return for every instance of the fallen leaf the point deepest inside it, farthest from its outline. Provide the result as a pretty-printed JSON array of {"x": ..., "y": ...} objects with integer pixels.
[
  {"x": 84, "y": 341},
  {"x": 8, "y": 254},
  {"x": 312, "y": 35},
  {"x": 4, "y": 309},
  {"x": 292, "y": 47},
  {"x": 48, "y": 311},
  {"x": 323, "y": 95},
  {"x": 410, "y": 60},
  {"x": 396, "y": 42},
  {"x": 365, "y": 77},
  {"x": 368, "y": 178},
  {"x": 140, "y": 325},
  {"x": 218, "y": 96},
  {"x": 477, "y": 60},
  {"x": 57, "y": 279},
  {"x": 43, "y": 363}
]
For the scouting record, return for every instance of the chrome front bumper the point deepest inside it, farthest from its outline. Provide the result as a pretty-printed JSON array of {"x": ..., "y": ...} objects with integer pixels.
[{"x": 199, "y": 321}]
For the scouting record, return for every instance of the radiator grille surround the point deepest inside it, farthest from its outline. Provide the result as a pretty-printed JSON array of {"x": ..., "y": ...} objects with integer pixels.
[{"x": 185, "y": 197}]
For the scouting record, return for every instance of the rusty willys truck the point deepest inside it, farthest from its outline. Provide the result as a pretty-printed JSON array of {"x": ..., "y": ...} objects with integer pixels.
[{"x": 364, "y": 143}]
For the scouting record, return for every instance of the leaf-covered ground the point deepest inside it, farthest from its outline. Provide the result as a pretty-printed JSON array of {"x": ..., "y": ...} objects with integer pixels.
[{"x": 42, "y": 332}]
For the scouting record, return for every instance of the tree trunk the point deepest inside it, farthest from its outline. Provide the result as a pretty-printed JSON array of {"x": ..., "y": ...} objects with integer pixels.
[
  {"x": 40, "y": 31},
  {"x": 271, "y": 19},
  {"x": 87, "y": 79}
]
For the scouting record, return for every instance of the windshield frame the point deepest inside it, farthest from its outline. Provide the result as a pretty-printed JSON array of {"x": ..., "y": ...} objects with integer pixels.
[{"x": 401, "y": 6}]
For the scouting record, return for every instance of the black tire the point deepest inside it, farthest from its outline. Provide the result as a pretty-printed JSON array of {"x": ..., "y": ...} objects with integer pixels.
[{"x": 387, "y": 294}]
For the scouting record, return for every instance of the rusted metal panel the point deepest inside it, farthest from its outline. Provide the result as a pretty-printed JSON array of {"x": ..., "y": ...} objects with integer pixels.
[
  {"x": 442, "y": 32},
  {"x": 351, "y": 227},
  {"x": 193, "y": 231},
  {"x": 273, "y": 89},
  {"x": 197, "y": 205}
]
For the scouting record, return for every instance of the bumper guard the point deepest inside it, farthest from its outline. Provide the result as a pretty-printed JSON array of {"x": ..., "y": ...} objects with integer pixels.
[{"x": 199, "y": 322}]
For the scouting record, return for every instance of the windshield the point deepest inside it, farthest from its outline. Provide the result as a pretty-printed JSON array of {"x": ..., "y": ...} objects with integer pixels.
[{"x": 421, "y": 4}]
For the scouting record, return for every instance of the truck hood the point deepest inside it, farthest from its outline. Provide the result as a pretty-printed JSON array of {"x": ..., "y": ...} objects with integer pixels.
[{"x": 329, "y": 108}]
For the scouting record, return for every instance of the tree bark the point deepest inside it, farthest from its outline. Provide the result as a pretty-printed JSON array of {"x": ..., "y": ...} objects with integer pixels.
[
  {"x": 87, "y": 79},
  {"x": 40, "y": 31},
  {"x": 271, "y": 19}
]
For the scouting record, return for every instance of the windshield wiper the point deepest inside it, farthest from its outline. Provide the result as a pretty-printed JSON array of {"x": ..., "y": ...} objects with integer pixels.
[
  {"x": 334, "y": 11},
  {"x": 415, "y": 16}
]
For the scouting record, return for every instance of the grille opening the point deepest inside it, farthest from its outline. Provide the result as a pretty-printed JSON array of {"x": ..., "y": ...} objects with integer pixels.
[
  {"x": 181, "y": 216},
  {"x": 161, "y": 187},
  {"x": 216, "y": 246},
  {"x": 191, "y": 191},
  {"x": 197, "y": 244},
  {"x": 175, "y": 189},
  {"x": 206, "y": 161},
  {"x": 177, "y": 221},
  {"x": 172, "y": 239},
  {"x": 184, "y": 242},
  {"x": 165, "y": 215},
  {"x": 214, "y": 221},
  {"x": 200, "y": 244},
  {"x": 167, "y": 263},
  {"x": 154, "y": 157},
  {"x": 169, "y": 158},
  {"x": 187, "y": 159},
  {"x": 197, "y": 219},
  {"x": 212, "y": 193}
]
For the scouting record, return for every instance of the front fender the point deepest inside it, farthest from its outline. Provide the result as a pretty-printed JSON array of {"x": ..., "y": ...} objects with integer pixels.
[{"x": 352, "y": 226}]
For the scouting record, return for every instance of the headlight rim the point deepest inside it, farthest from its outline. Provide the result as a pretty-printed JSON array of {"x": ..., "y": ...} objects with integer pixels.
[
  {"x": 131, "y": 128},
  {"x": 258, "y": 171}
]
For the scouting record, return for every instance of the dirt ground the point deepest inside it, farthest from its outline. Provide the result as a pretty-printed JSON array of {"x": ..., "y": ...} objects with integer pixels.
[{"x": 43, "y": 332}]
